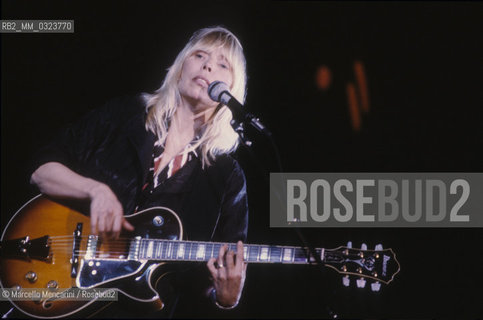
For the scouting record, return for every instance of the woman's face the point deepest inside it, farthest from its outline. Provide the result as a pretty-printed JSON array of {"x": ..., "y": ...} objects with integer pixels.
[{"x": 200, "y": 69}]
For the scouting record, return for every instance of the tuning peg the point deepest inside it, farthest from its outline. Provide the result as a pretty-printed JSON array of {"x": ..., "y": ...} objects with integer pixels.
[
  {"x": 375, "y": 286},
  {"x": 378, "y": 247},
  {"x": 349, "y": 244},
  {"x": 346, "y": 281},
  {"x": 361, "y": 283},
  {"x": 364, "y": 246}
]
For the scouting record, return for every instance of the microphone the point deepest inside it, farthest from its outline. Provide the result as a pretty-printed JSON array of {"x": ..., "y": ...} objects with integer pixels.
[{"x": 220, "y": 92}]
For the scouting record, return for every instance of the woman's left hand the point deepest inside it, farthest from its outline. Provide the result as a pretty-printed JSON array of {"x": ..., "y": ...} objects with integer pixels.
[{"x": 228, "y": 275}]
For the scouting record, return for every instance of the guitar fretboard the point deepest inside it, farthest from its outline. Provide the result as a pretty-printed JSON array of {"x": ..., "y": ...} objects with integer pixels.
[{"x": 153, "y": 249}]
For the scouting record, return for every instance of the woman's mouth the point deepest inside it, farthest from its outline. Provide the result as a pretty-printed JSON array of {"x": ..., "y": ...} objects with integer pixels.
[{"x": 202, "y": 81}]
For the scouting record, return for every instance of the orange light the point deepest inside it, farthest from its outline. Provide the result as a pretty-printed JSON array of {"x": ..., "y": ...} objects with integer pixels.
[
  {"x": 357, "y": 92},
  {"x": 362, "y": 85},
  {"x": 323, "y": 78},
  {"x": 353, "y": 106}
]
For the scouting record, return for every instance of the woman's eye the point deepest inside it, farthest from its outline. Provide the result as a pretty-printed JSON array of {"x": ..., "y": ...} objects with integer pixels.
[
  {"x": 199, "y": 55},
  {"x": 224, "y": 66}
]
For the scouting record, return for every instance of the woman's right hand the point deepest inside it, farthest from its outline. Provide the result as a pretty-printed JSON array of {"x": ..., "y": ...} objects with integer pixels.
[
  {"x": 107, "y": 217},
  {"x": 56, "y": 180}
]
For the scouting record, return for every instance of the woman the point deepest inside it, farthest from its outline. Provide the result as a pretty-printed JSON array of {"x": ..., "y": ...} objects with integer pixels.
[{"x": 166, "y": 149}]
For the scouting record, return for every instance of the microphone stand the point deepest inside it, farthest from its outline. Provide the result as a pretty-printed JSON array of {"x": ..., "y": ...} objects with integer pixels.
[
  {"x": 239, "y": 128},
  {"x": 219, "y": 92}
]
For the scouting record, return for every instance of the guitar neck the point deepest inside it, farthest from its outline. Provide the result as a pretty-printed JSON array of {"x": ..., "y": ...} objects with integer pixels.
[{"x": 153, "y": 249}]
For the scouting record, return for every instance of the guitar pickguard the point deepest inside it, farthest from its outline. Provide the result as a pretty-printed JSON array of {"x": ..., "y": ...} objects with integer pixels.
[{"x": 94, "y": 272}]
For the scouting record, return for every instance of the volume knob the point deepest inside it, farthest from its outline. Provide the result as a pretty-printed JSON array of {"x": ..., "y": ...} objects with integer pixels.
[
  {"x": 52, "y": 284},
  {"x": 31, "y": 276}
]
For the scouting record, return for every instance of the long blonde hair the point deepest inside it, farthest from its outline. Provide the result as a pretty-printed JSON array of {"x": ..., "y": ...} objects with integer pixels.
[{"x": 217, "y": 136}]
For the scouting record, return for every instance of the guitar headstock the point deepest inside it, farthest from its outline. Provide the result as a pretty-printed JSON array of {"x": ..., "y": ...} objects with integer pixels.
[{"x": 379, "y": 264}]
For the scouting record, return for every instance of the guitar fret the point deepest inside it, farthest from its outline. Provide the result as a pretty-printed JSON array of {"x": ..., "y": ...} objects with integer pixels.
[
  {"x": 180, "y": 253},
  {"x": 157, "y": 246},
  {"x": 175, "y": 250},
  {"x": 188, "y": 251},
  {"x": 253, "y": 253},
  {"x": 208, "y": 246},
  {"x": 209, "y": 251},
  {"x": 264, "y": 251},
  {"x": 288, "y": 254},
  {"x": 140, "y": 248},
  {"x": 165, "y": 250},
  {"x": 161, "y": 251},
  {"x": 275, "y": 254},
  {"x": 194, "y": 247},
  {"x": 200, "y": 252},
  {"x": 216, "y": 249},
  {"x": 149, "y": 253},
  {"x": 143, "y": 249},
  {"x": 153, "y": 249},
  {"x": 146, "y": 249}
]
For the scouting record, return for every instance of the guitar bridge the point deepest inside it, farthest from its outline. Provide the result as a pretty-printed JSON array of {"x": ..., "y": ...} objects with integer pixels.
[{"x": 75, "y": 250}]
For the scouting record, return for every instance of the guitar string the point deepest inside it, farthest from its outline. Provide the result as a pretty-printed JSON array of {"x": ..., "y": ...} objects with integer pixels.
[
  {"x": 111, "y": 247},
  {"x": 173, "y": 256},
  {"x": 67, "y": 239},
  {"x": 65, "y": 243},
  {"x": 164, "y": 255},
  {"x": 126, "y": 241},
  {"x": 167, "y": 257},
  {"x": 122, "y": 249},
  {"x": 124, "y": 244}
]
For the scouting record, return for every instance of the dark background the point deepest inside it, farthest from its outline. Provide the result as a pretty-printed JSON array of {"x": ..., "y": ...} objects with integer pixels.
[{"x": 424, "y": 70}]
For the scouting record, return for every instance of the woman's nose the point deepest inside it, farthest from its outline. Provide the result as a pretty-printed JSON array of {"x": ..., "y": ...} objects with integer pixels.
[{"x": 207, "y": 66}]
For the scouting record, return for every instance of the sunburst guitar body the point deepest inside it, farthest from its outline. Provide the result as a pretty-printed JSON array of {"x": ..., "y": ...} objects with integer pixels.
[{"x": 48, "y": 246}]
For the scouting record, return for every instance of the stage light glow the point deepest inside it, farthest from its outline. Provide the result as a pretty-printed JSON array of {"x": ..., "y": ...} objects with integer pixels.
[{"x": 323, "y": 78}]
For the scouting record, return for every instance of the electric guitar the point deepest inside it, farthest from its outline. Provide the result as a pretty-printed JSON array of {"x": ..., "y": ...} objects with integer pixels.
[{"x": 47, "y": 245}]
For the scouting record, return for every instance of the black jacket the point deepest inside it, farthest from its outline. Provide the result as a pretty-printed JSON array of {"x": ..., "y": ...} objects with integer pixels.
[{"x": 111, "y": 145}]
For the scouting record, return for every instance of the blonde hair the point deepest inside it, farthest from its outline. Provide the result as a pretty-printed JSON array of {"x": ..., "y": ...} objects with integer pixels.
[{"x": 217, "y": 136}]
